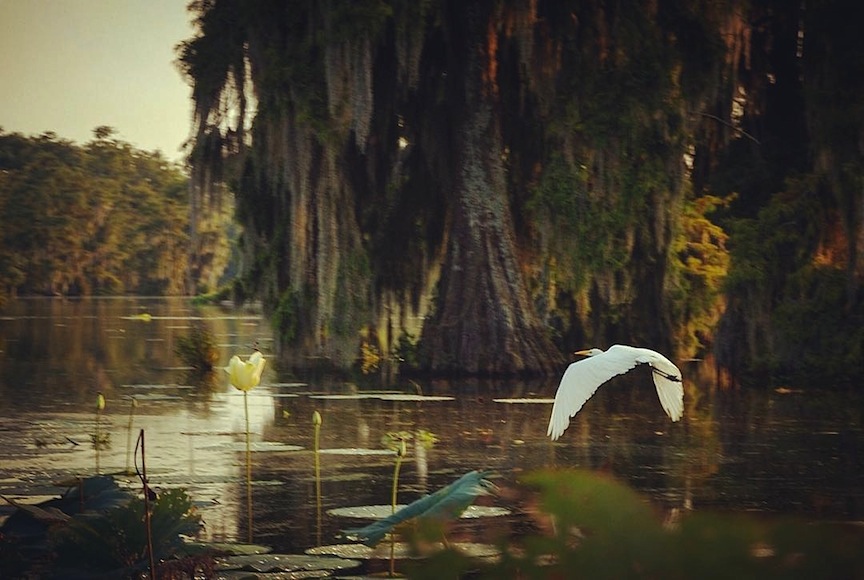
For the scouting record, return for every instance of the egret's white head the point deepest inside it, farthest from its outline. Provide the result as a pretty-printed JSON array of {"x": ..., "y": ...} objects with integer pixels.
[{"x": 589, "y": 352}]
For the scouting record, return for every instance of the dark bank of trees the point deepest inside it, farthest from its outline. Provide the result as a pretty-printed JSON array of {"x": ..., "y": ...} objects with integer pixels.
[
  {"x": 102, "y": 218},
  {"x": 480, "y": 186}
]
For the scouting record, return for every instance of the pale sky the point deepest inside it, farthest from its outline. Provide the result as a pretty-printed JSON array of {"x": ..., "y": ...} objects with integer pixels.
[{"x": 68, "y": 66}]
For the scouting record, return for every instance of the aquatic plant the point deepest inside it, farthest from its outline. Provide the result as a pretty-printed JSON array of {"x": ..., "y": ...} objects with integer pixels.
[
  {"x": 133, "y": 404},
  {"x": 198, "y": 350},
  {"x": 316, "y": 424},
  {"x": 98, "y": 439},
  {"x": 115, "y": 543},
  {"x": 398, "y": 442},
  {"x": 148, "y": 494},
  {"x": 426, "y": 439},
  {"x": 95, "y": 529},
  {"x": 245, "y": 376}
]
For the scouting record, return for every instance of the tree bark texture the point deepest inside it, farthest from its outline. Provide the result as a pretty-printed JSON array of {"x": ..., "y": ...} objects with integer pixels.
[{"x": 484, "y": 321}]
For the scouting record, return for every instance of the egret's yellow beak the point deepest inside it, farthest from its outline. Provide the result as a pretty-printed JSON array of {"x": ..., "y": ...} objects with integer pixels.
[{"x": 585, "y": 352}]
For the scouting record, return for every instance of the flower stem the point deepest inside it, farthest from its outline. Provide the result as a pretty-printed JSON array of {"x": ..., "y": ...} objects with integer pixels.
[
  {"x": 132, "y": 406},
  {"x": 317, "y": 427},
  {"x": 96, "y": 443},
  {"x": 399, "y": 454},
  {"x": 248, "y": 469}
]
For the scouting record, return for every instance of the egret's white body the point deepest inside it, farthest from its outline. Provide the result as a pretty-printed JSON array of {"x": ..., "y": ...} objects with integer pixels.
[{"x": 582, "y": 378}]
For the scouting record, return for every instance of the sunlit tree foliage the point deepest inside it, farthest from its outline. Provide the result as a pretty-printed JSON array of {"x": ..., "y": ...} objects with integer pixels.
[{"x": 102, "y": 218}]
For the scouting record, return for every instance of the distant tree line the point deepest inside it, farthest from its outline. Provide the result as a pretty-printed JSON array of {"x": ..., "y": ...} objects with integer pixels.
[{"x": 100, "y": 218}]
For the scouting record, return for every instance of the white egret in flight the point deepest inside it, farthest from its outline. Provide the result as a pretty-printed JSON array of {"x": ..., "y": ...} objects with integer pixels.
[{"x": 583, "y": 377}]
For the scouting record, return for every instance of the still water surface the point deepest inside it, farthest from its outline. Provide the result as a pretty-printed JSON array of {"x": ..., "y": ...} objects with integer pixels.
[{"x": 774, "y": 450}]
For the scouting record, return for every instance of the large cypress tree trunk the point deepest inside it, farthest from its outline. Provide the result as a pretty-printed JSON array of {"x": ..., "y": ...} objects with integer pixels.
[{"x": 484, "y": 322}]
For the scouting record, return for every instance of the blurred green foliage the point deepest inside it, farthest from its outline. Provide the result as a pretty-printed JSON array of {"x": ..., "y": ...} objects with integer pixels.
[{"x": 601, "y": 528}]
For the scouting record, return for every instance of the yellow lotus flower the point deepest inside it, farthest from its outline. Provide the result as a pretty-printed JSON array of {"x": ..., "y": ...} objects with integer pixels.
[{"x": 245, "y": 375}]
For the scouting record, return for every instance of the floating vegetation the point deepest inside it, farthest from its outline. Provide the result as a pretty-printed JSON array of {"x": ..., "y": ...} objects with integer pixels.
[
  {"x": 403, "y": 550},
  {"x": 417, "y": 398},
  {"x": 343, "y": 477},
  {"x": 355, "y": 451},
  {"x": 291, "y": 563},
  {"x": 156, "y": 397},
  {"x": 352, "y": 397},
  {"x": 285, "y": 385},
  {"x": 208, "y": 433},
  {"x": 144, "y": 317},
  {"x": 228, "y": 549},
  {"x": 377, "y": 512},
  {"x": 525, "y": 400},
  {"x": 393, "y": 396},
  {"x": 257, "y": 446},
  {"x": 157, "y": 387}
]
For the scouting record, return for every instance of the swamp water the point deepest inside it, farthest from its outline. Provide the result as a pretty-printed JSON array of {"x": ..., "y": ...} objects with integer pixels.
[{"x": 798, "y": 452}]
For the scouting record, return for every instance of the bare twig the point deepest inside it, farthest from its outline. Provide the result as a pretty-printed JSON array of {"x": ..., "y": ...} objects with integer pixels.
[{"x": 731, "y": 126}]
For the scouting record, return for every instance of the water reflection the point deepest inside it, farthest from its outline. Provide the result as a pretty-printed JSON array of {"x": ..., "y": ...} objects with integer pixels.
[{"x": 786, "y": 451}]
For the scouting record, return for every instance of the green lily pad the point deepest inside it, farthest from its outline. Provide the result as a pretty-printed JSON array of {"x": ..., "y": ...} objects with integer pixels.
[
  {"x": 526, "y": 400},
  {"x": 155, "y": 397},
  {"x": 298, "y": 575},
  {"x": 343, "y": 477},
  {"x": 264, "y": 563},
  {"x": 155, "y": 387},
  {"x": 226, "y": 548},
  {"x": 418, "y": 398},
  {"x": 286, "y": 385},
  {"x": 349, "y": 397},
  {"x": 262, "y": 446},
  {"x": 401, "y": 551},
  {"x": 382, "y": 395},
  {"x": 377, "y": 512},
  {"x": 355, "y": 451},
  {"x": 209, "y": 433}
]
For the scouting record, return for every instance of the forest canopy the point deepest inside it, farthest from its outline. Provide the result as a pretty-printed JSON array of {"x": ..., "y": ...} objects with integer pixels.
[{"x": 102, "y": 218}]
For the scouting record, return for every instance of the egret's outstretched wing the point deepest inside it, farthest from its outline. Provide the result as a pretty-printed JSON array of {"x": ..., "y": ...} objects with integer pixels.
[
  {"x": 581, "y": 380},
  {"x": 667, "y": 379}
]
